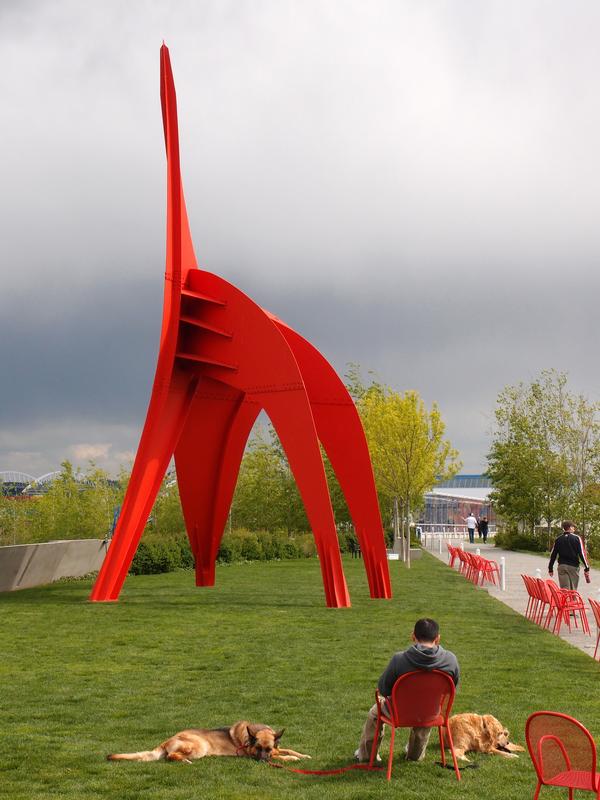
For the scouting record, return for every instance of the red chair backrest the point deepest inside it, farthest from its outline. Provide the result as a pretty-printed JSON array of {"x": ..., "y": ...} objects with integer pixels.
[
  {"x": 422, "y": 699},
  {"x": 557, "y": 598},
  {"x": 543, "y": 592},
  {"x": 528, "y": 586},
  {"x": 596, "y": 609},
  {"x": 558, "y": 743}
]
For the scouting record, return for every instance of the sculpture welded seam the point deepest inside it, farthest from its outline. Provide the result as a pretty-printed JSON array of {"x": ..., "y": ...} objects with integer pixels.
[{"x": 222, "y": 359}]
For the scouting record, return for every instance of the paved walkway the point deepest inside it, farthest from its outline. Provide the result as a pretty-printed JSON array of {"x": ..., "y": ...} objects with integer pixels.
[{"x": 516, "y": 596}]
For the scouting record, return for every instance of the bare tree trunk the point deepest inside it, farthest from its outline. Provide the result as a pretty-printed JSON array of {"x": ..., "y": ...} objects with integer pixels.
[
  {"x": 407, "y": 506},
  {"x": 398, "y": 548}
]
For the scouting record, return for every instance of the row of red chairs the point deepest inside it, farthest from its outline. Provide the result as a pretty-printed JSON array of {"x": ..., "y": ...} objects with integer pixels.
[
  {"x": 549, "y": 606},
  {"x": 476, "y": 569}
]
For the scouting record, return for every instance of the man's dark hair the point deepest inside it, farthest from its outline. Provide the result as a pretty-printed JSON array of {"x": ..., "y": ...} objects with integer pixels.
[
  {"x": 566, "y": 525},
  {"x": 426, "y": 630}
]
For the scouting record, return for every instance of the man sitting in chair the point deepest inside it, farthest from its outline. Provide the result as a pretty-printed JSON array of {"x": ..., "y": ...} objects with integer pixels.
[{"x": 426, "y": 653}]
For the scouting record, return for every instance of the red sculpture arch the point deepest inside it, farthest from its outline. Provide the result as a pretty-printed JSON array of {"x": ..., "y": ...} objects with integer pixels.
[{"x": 222, "y": 359}]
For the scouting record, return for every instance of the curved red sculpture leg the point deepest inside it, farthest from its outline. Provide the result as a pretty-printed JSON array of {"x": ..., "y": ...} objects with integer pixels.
[
  {"x": 161, "y": 432},
  {"x": 208, "y": 459},
  {"x": 198, "y": 456},
  {"x": 340, "y": 431},
  {"x": 292, "y": 419},
  {"x": 229, "y": 468}
]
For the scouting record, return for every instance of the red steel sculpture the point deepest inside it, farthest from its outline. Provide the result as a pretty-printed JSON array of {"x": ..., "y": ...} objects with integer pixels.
[{"x": 222, "y": 359}]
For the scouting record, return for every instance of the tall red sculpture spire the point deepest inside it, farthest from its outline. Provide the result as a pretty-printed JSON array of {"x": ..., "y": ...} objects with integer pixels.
[{"x": 222, "y": 359}]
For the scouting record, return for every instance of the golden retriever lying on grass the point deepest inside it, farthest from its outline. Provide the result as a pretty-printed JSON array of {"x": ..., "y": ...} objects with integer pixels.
[{"x": 480, "y": 734}]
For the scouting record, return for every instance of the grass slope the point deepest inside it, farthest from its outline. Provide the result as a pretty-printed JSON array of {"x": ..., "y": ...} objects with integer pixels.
[{"x": 80, "y": 680}]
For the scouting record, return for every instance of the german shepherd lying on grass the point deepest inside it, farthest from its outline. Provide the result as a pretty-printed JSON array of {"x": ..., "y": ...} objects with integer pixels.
[{"x": 242, "y": 739}]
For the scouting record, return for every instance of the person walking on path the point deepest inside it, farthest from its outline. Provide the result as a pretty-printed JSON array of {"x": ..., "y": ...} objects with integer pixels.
[
  {"x": 471, "y": 525},
  {"x": 482, "y": 527},
  {"x": 568, "y": 548},
  {"x": 426, "y": 653}
]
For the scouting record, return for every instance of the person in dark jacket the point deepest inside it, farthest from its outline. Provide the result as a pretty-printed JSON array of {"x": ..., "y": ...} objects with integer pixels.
[
  {"x": 568, "y": 548},
  {"x": 426, "y": 653},
  {"x": 482, "y": 527}
]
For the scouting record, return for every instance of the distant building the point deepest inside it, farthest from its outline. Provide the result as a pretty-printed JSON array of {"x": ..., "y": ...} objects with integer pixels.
[{"x": 450, "y": 502}]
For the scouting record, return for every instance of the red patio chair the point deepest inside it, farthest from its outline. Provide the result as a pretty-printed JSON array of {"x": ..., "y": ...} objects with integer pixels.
[
  {"x": 469, "y": 565},
  {"x": 566, "y": 602},
  {"x": 545, "y": 602},
  {"x": 421, "y": 699},
  {"x": 462, "y": 557},
  {"x": 563, "y": 753},
  {"x": 474, "y": 567},
  {"x": 452, "y": 554},
  {"x": 532, "y": 601},
  {"x": 491, "y": 571},
  {"x": 596, "y": 611}
]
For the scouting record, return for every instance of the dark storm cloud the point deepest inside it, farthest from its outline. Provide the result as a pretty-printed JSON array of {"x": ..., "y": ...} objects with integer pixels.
[
  {"x": 95, "y": 361},
  {"x": 412, "y": 186}
]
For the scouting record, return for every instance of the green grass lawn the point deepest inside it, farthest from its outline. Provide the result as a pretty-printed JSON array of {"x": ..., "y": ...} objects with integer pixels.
[{"x": 80, "y": 680}]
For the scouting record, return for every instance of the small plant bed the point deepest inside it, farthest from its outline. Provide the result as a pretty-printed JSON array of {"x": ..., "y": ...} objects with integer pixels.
[{"x": 80, "y": 680}]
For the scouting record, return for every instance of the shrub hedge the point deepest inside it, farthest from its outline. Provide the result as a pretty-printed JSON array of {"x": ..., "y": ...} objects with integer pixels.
[
  {"x": 159, "y": 553},
  {"x": 513, "y": 540}
]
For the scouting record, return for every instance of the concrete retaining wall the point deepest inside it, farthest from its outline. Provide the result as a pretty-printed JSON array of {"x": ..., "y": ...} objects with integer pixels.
[{"x": 25, "y": 565}]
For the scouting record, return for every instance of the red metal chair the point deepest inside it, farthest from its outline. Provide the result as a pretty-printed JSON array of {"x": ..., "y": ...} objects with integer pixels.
[
  {"x": 545, "y": 602},
  {"x": 464, "y": 563},
  {"x": 452, "y": 554},
  {"x": 473, "y": 567},
  {"x": 532, "y": 602},
  {"x": 421, "y": 699},
  {"x": 491, "y": 571},
  {"x": 563, "y": 753},
  {"x": 566, "y": 602},
  {"x": 596, "y": 611}
]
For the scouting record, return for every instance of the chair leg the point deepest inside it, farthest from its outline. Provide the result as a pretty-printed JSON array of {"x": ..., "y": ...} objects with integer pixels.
[
  {"x": 375, "y": 740},
  {"x": 584, "y": 622},
  {"x": 451, "y": 743},
  {"x": 560, "y": 613},
  {"x": 391, "y": 757},
  {"x": 442, "y": 749},
  {"x": 537, "y": 790},
  {"x": 597, "y": 643}
]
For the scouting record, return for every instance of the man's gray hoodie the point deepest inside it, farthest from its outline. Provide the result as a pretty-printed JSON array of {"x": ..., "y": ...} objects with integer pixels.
[{"x": 419, "y": 656}]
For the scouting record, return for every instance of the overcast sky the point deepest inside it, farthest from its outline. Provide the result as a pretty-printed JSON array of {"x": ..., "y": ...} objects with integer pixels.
[{"x": 413, "y": 186}]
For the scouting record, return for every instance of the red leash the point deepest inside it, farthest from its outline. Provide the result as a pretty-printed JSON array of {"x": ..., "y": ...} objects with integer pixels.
[
  {"x": 243, "y": 749},
  {"x": 327, "y": 771}
]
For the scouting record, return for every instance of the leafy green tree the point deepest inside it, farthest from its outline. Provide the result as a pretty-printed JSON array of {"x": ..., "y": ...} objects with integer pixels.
[
  {"x": 167, "y": 516},
  {"x": 266, "y": 497},
  {"x": 408, "y": 450},
  {"x": 544, "y": 461}
]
